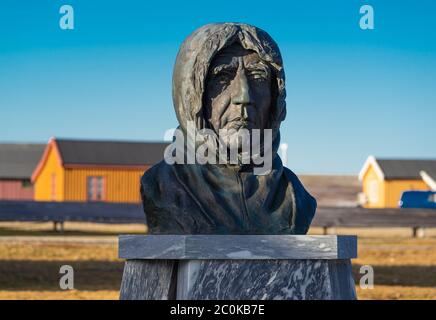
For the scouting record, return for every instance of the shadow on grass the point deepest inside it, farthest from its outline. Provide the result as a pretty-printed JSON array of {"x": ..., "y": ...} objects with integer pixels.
[
  {"x": 44, "y": 275},
  {"x": 15, "y": 232},
  {"x": 106, "y": 275}
]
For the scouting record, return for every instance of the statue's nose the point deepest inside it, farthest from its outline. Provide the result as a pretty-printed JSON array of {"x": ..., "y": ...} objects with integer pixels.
[{"x": 241, "y": 92}]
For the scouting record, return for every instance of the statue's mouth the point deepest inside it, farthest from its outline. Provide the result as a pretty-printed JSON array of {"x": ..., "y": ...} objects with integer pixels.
[{"x": 238, "y": 123}]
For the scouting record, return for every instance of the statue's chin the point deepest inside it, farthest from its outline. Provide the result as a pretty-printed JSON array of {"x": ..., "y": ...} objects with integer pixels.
[{"x": 236, "y": 143}]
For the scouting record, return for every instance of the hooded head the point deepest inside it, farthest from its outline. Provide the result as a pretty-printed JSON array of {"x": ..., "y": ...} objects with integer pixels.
[{"x": 194, "y": 60}]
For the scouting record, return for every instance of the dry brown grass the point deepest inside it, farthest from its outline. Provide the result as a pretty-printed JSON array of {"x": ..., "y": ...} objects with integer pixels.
[
  {"x": 60, "y": 295},
  {"x": 405, "y": 268},
  {"x": 382, "y": 292}
]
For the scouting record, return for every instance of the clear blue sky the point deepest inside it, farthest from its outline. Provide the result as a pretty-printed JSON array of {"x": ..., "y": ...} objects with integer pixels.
[{"x": 351, "y": 92}]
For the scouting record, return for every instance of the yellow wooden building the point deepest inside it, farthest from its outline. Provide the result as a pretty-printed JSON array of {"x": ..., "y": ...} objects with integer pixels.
[
  {"x": 80, "y": 170},
  {"x": 384, "y": 180}
]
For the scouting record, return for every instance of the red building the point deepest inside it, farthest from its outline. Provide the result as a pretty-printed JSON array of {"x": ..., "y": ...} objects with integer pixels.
[{"x": 17, "y": 162}]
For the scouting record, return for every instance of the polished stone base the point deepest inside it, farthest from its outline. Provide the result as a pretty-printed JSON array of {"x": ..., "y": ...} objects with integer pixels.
[{"x": 186, "y": 268}]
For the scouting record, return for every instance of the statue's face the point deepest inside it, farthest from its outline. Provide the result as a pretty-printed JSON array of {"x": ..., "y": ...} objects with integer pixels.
[{"x": 238, "y": 90}]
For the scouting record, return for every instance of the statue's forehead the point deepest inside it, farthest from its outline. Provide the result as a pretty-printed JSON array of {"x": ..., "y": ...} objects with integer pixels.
[{"x": 232, "y": 54}]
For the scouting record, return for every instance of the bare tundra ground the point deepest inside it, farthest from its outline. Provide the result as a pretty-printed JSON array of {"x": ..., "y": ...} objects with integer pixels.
[
  {"x": 333, "y": 190},
  {"x": 31, "y": 255}
]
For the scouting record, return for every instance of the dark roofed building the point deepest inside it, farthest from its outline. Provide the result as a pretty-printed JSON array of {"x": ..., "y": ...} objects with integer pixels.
[
  {"x": 384, "y": 180},
  {"x": 405, "y": 169},
  {"x": 86, "y": 152},
  {"x": 85, "y": 170},
  {"x": 17, "y": 162}
]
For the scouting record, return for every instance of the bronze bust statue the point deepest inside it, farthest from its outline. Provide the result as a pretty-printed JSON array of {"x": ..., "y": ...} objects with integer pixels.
[{"x": 227, "y": 76}]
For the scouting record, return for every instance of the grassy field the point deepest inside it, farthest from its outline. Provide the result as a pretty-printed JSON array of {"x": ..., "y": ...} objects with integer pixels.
[{"x": 31, "y": 255}]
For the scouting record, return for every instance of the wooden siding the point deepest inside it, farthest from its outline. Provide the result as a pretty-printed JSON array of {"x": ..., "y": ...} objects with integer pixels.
[
  {"x": 15, "y": 190},
  {"x": 52, "y": 174},
  {"x": 121, "y": 185}
]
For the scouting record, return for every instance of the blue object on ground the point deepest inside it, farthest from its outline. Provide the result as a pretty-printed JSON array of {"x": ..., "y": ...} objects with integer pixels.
[{"x": 418, "y": 199}]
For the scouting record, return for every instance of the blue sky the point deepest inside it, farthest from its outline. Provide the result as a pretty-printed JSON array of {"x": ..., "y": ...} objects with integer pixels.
[{"x": 351, "y": 92}]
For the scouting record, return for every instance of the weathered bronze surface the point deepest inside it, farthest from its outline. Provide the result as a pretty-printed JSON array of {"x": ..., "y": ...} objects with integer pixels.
[{"x": 227, "y": 75}]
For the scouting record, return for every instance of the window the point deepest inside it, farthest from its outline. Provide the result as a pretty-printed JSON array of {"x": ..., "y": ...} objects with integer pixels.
[
  {"x": 432, "y": 197},
  {"x": 26, "y": 184},
  {"x": 95, "y": 188}
]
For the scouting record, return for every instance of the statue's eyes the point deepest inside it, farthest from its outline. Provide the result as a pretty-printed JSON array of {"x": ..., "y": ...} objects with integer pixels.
[
  {"x": 259, "y": 75},
  {"x": 223, "y": 77}
]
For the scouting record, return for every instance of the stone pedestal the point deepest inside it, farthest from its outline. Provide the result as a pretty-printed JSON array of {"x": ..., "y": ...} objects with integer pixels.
[{"x": 237, "y": 267}]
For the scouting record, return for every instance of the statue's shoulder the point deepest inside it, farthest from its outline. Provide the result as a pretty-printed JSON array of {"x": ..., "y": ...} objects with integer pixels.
[
  {"x": 299, "y": 189},
  {"x": 160, "y": 184},
  {"x": 167, "y": 206},
  {"x": 159, "y": 174},
  {"x": 292, "y": 177},
  {"x": 305, "y": 203},
  {"x": 157, "y": 181}
]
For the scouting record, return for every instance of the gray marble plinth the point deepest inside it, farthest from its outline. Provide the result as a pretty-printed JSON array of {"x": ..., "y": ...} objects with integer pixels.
[{"x": 237, "y": 267}]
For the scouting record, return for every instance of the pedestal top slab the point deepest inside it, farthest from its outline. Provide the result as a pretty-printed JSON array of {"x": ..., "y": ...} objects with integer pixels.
[{"x": 236, "y": 247}]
